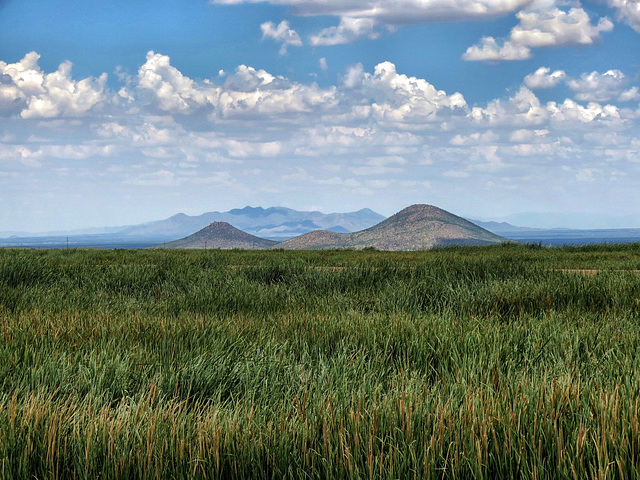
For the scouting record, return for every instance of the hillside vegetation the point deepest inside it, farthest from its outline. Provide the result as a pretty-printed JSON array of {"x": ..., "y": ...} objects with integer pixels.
[{"x": 508, "y": 361}]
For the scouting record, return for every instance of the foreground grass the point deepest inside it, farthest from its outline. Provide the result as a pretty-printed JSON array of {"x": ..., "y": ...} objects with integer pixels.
[{"x": 492, "y": 362}]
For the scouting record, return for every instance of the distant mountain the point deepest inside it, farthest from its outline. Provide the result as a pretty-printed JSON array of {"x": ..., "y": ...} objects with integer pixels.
[
  {"x": 503, "y": 228},
  {"x": 416, "y": 227},
  {"x": 561, "y": 236},
  {"x": 220, "y": 235},
  {"x": 276, "y": 222}
]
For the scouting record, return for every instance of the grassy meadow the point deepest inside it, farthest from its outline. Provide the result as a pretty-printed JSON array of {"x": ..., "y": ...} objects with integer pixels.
[{"x": 510, "y": 361}]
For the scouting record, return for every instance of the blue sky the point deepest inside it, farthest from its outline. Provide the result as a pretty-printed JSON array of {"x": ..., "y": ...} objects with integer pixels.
[{"x": 120, "y": 112}]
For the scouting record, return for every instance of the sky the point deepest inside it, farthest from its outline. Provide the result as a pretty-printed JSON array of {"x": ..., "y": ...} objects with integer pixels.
[{"x": 122, "y": 112}]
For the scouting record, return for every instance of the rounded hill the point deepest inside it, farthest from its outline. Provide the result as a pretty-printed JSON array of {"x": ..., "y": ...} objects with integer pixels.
[
  {"x": 221, "y": 235},
  {"x": 417, "y": 227}
]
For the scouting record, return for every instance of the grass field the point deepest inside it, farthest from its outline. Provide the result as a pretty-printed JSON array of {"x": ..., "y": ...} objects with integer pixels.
[{"x": 474, "y": 362}]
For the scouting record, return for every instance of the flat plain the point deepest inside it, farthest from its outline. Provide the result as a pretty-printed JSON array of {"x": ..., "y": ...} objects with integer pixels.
[{"x": 504, "y": 361}]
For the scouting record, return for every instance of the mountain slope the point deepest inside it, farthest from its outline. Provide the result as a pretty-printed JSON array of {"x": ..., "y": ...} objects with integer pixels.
[
  {"x": 221, "y": 235},
  {"x": 416, "y": 227}
]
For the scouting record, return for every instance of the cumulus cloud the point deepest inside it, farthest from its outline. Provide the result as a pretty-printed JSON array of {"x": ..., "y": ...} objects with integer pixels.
[
  {"x": 26, "y": 90},
  {"x": 375, "y": 129},
  {"x": 489, "y": 50},
  {"x": 571, "y": 112},
  {"x": 544, "y": 78},
  {"x": 255, "y": 93},
  {"x": 631, "y": 95},
  {"x": 167, "y": 87},
  {"x": 540, "y": 28},
  {"x": 400, "y": 98},
  {"x": 600, "y": 87},
  {"x": 557, "y": 27},
  {"x": 628, "y": 11},
  {"x": 250, "y": 92},
  {"x": 349, "y": 30},
  {"x": 524, "y": 109},
  {"x": 281, "y": 33}
]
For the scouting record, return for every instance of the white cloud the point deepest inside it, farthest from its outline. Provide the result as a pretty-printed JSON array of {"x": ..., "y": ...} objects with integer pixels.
[
  {"x": 113, "y": 129},
  {"x": 399, "y": 12},
  {"x": 570, "y": 112},
  {"x": 525, "y": 109},
  {"x": 281, "y": 33},
  {"x": 349, "y": 30},
  {"x": 543, "y": 78},
  {"x": 323, "y": 63},
  {"x": 542, "y": 27},
  {"x": 167, "y": 88},
  {"x": 600, "y": 87},
  {"x": 248, "y": 79},
  {"x": 359, "y": 18},
  {"x": 375, "y": 130},
  {"x": 474, "y": 138},
  {"x": 531, "y": 149},
  {"x": 525, "y": 135},
  {"x": 627, "y": 11},
  {"x": 26, "y": 90},
  {"x": 631, "y": 95},
  {"x": 489, "y": 50},
  {"x": 250, "y": 92},
  {"x": 399, "y": 98},
  {"x": 557, "y": 27},
  {"x": 25, "y": 155},
  {"x": 354, "y": 76},
  {"x": 247, "y": 93}
]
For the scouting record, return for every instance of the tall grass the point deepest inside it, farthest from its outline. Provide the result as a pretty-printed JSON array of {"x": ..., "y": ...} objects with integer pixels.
[{"x": 488, "y": 362}]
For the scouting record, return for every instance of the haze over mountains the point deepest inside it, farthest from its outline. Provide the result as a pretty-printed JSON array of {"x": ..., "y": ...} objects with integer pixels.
[
  {"x": 417, "y": 227},
  {"x": 280, "y": 223},
  {"x": 276, "y": 223}
]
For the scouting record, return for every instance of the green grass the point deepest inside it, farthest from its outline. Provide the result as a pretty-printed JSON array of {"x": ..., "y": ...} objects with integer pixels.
[{"x": 474, "y": 362}]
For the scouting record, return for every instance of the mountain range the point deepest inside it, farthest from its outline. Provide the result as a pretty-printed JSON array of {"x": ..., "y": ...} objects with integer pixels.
[
  {"x": 417, "y": 227},
  {"x": 275, "y": 223},
  {"x": 280, "y": 223}
]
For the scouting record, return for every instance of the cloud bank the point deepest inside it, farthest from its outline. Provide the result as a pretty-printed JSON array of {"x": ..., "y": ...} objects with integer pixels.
[{"x": 252, "y": 133}]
